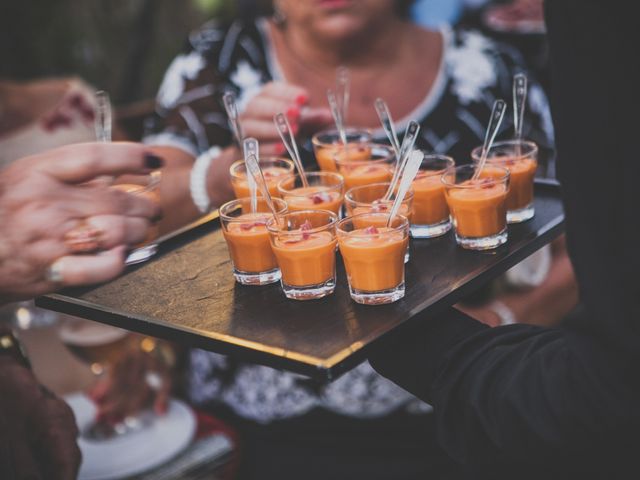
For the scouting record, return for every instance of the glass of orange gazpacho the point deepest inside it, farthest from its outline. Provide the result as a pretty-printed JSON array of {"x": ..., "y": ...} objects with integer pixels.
[
  {"x": 520, "y": 157},
  {"x": 149, "y": 187},
  {"x": 478, "y": 207},
  {"x": 273, "y": 169},
  {"x": 373, "y": 256},
  {"x": 304, "y": 244},
  {"x": 430, "y": 210},
  {"x": 360, "y": 169},
  {"x": 327, "y": 142},
  {"x": 248, "y": 240},
  {"x": 325, "y": 191}
]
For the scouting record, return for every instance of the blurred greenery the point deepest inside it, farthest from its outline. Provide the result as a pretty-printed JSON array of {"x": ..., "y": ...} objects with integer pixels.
[{"x": 122, "y": 46}]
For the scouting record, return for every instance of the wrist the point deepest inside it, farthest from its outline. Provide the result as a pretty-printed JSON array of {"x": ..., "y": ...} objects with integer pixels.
[
  {"x": 218, "y": 177},
  {"x": 505, "y": 314}
]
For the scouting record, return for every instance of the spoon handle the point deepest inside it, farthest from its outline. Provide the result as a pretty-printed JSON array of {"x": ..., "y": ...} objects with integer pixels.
[
  {"x": 254, "y": 169},
  {"x": 231, "y": 107},
  {"x": 289, "y": 140},
  {"x": 409, "y": 140},
  {"x": 413, "y": 165},
  {"x": 103, "y": 120},
  {"x": 387, "y": 124},
  {"x": 497, "y": 114},
  {"x": 337, "y": 116},
  {"x": 343, "y": 87},
  {"x": 519, "y": 99},
  {"x": 251, "y": 147}
]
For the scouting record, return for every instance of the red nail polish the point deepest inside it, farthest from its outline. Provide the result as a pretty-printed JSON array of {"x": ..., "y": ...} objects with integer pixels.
[
  {"x": 302, "y": 99},
  {"x": 281, "y": 149},
  {"x": 294, "y": 128},
  {"x": 293, "y": 113}
]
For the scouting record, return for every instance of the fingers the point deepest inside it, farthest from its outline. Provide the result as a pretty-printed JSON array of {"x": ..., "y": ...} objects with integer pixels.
[
  {"x": 275, "y": 149},
  {"x": 264, "y": 108},
  {"x": 80, "y": 163},
  {"x": 89, "y": 269},
  {"x": 118, "y": 230},
  {"x": 108, "y": 201},
  {"x": 263, "y": 130}
]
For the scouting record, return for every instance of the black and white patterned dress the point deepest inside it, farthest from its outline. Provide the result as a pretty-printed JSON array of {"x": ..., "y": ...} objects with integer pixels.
[{"x": 190, "y": 116}]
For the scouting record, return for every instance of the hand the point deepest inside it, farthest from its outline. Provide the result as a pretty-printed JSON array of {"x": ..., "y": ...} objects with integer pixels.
[
  {"x": 280, "y": 97},
  {"x": 128, "y": 388},
  {"x": 37, "y": 430},
  {"x": 45, "y": 197}
]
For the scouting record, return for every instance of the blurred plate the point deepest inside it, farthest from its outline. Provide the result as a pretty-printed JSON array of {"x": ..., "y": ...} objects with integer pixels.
[{"x": 134, "y": 452}]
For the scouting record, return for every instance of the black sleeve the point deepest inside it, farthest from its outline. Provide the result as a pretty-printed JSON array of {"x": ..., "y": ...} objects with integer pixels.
[{"x": 522, "y": 392}]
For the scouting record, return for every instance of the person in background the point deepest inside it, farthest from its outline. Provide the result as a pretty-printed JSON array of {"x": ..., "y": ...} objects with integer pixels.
[
  {"x": 360, "y": 426},
  {"x": 48, "y": 216}
]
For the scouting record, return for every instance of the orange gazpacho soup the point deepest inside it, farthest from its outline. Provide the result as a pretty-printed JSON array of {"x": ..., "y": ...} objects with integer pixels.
[
  {"x": 429, "y": 202},
  {"x": 521, "y": 174},
  {"x": 326, "y": 155},
  {"x": 272, "y": 175},
  {"x": 306, "y": 257},
  {"x": 313, "y": 198},
  {"x": 153, "y": 231},
  {"x": 248, "y": 243},
  {"x": 479, "y": 208},
  {"x": 374, "y": 257}
]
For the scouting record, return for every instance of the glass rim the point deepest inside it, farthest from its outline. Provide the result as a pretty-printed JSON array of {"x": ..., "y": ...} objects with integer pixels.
[
  {"x": 272, "y": 220},
  {"x": 532, "y": 146},
  {"x": 318, "y": 174},
  {"x": 429, "y": 156},
  {"x": 408, "y": 196},
  {"x": 154, "y": 181},
  {"x": 493, "y": 180},
  {"x": 403, "y": 226},
  {"x": 247, "y": 200},
  {"x": 267, "y": 158},
  {"x": 390, "y": 154},
  {"x": 334, "y": 131}
]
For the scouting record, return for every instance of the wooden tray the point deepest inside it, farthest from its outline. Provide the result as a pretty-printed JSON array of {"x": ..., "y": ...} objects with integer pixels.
[{"x": 187, "y": 294}]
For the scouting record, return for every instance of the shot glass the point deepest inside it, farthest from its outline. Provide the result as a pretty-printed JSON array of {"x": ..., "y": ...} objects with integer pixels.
[
  {"x": 304, "y": 244},
  {"x": 325, "y": 192},
  {"x": 248, "y": 242},
  {"x": 274, "y": 169},
  {"x": 363, "y": 164},
  {"x": 149, "y": 188},
  {"x": 430, "y": 211},
  {"x": 374, "y": 256},
  {"x": 367, "y": 199},
  {"x": 520, "y": 157},
  {"x": 478, "y": 207},
  {"x": 326, "y": 142}
]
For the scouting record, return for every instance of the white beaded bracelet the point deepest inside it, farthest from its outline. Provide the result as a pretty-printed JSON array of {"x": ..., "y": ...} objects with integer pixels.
[
  {"x": 504, "y": 313},
  {"x": 198, "y": 179}
]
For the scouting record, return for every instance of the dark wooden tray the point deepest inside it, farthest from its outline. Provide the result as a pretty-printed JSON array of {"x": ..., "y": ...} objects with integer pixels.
[{"x": 187, "y": 294}]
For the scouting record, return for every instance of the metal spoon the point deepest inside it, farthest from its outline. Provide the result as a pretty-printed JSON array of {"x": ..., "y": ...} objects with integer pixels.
[
  {"x": 250, "y": 147},
  {"x": 229, "y": 99},
  {"x": 497, "y": 114},
  {"x": 387, "y": 124},
  {"x": 253, "y": 167},
  {"x": 103, "y": 122},
  {"x": 343, "y": 89},
  {"x": 413, "y": 165},
  {"x": 289, "y": 140},
  {"x": 519, "y": 100},
  {"x": 409, "y": 140},
  {"x": 337, "y": 116}
]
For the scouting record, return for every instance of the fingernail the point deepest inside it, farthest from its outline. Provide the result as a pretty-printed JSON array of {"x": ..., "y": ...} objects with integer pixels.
[
  {"x": 294, "y": 127},
  {"x": 302, "y": 99},
  {"x": 153, "y": 161},
  {"x": 157, "y": 218},
  {"x": 293, "y": 113},
  {"x": 281, "y": 149}
]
